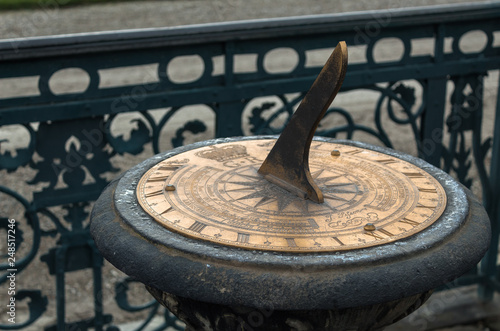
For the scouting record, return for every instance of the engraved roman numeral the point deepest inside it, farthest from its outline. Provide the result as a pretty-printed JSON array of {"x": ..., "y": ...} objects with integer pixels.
[
  {"x": 374, "y": 235},
  {"x": 313, "y": 223},
  {"x": 413, "y": 174},
  {"x": 377, "y": 236},
  {"x": 338, "y": 241},
  {"x": 419, "y": 205},
  {"x": 317, "y": 146},
  {"x": 157, "y": 179},
  {"x": 427, "y": 190},
  {"x": 408, "y": 221},
  {"x": 168, "y": 167},
  {"x": 387, "y": 233},
  {"x": 169, "y": 208},
  {"x": 197, "y": 226},
  {"x": 243, "y": 237},
  {"x": 291, "y": 242},
  {"x": 154, "y": 193},
  {"x": 353, "y": 152},
  {"x": 386, "y": 161}
]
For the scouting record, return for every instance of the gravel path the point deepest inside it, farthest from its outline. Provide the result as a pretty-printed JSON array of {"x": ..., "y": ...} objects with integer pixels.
[{"x": 49, "y": 19}]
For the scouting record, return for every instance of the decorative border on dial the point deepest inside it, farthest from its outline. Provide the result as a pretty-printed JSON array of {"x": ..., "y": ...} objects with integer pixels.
[{"x": 188, "y": 209}]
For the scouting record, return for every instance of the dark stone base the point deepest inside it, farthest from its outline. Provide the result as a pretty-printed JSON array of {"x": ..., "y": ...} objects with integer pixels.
[
  {"x": 301, "y": 291},
  {"x": 202, "y": 316}
]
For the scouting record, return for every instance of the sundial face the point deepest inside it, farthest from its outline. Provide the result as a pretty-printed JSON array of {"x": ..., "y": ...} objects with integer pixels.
[{"x": 215, "y": 194}]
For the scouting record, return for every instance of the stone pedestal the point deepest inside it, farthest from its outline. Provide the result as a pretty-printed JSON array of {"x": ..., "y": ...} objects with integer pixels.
[{"x": 216, "y": 287}]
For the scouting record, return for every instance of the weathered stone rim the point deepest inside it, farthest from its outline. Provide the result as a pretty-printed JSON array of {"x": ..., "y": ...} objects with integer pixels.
[
  {"x": 451, "y": 220},
  {"x": 208, "y": 272}
]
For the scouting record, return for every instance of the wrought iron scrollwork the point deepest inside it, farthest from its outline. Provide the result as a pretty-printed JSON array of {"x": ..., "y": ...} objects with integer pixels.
[
  {"x": 139, "y": 136},
  {"x": 396, "y": 92},
  {"x": 73, "y": 154},
  {"x": 121, "y": 297},
  {"x": 466, "y": 116},
  {"x": 71, "y": 148},
  {"x": 191, "y": 126},
  {"x": 260, "y": 125},
  {"x": 37, "y": 303},
  {"x": 33, "y": 222},
  {"x": 23, "y": 155}
]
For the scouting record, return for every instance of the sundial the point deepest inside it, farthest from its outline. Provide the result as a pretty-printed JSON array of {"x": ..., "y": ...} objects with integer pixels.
[
  {"x": 323, "y": 234},
  {"x": 215, "y": 193}
]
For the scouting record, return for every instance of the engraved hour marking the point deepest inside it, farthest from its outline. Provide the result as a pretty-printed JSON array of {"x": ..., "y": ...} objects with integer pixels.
[
  {"x": 413, "y": 174},
  {"x": 169, "y": 208},
  {"x": 243, "y": 237},
  {"x": 158, "y": 179},
  {"x": 197, "y": 226},
  {"x": 154, "y": 193},
  {"x": 387, "y": 233},
  {"x": 353, "y": 152},
  {"x": 291, "y": 242},
  {"x": 377, "y": 236},
  {"x": 168, "y": 167},
  {"x": 313, "y": 223},
  {"x": 427, "y": 190},
  {"x": 408, "y": 221},
  {"x": 338, "y": 241},
  {"x": 419, "y": 205},
  {"x": 386, "y": 161},
  {"x": 317, "y": 146},
  {"x": 374, "y": 235}
]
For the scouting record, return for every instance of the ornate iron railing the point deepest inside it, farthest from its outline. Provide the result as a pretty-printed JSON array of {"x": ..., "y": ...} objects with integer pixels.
[{"x": 77, "y": 109}]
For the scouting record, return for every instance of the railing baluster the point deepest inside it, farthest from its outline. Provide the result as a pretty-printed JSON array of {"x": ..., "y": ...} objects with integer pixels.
[{"x": 72, "y": 150}]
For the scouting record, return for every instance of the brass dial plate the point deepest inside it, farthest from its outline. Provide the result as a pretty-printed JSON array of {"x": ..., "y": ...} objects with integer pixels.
[{"x": 214, "y": 193}]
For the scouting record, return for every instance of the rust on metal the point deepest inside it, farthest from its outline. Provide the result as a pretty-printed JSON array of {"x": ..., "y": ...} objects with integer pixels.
[{"x": 287, "y": 165}]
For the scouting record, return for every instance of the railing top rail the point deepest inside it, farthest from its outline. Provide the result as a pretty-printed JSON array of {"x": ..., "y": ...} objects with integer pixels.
[
  {"x": 60, "y": 45},
  {"x": 75, "y": 110}
]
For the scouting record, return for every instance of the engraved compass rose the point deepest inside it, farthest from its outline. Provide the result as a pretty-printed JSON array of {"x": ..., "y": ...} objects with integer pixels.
[
  {"x": 229, "y": 202},
  {"x": 337, "y": 189}
]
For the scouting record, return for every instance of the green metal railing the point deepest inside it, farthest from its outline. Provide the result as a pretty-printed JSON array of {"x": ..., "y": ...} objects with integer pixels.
[{"x": 92, "y": 105}]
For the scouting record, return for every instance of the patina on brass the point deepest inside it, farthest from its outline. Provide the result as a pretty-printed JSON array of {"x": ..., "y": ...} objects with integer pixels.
[
  {"x": 220, "y": 197},
  {"x": 287, "y": 165}
]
